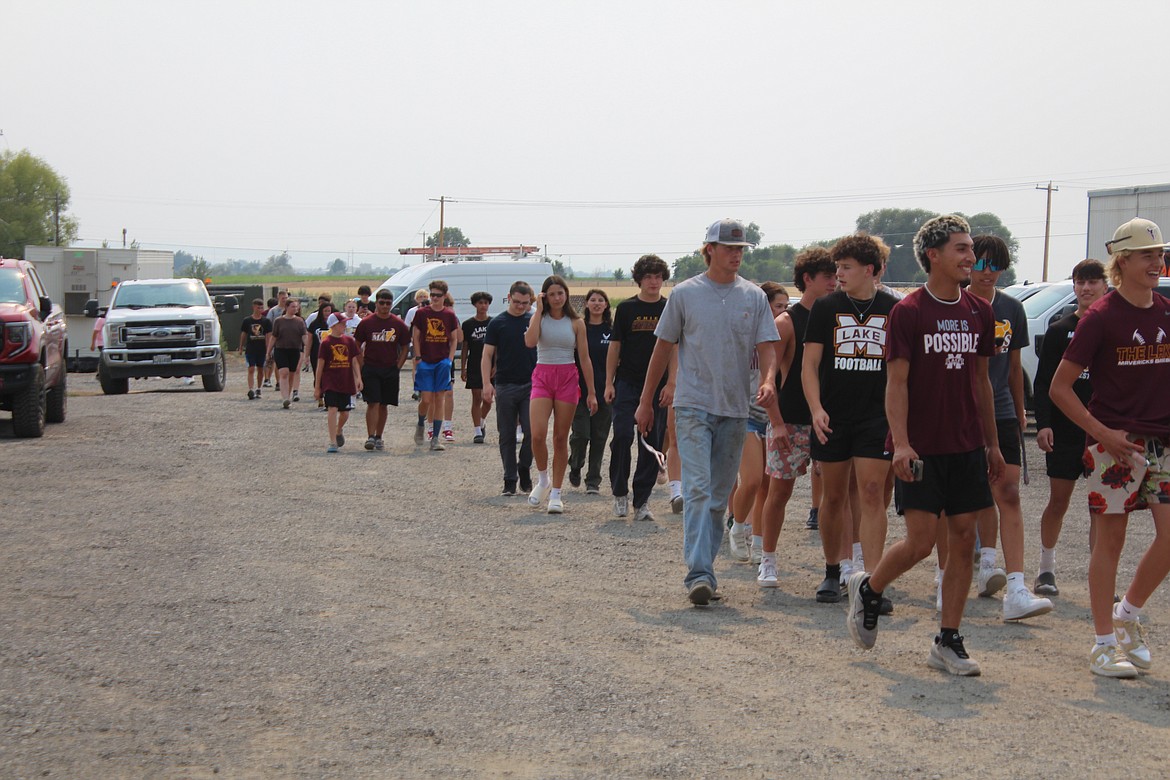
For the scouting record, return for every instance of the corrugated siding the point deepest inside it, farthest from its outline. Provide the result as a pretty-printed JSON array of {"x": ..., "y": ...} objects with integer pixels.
[{"x": 1107, "y": 212}]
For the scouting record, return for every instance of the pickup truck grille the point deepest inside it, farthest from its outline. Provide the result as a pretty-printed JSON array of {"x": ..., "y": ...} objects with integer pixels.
[{"x": 161, "y": 335}]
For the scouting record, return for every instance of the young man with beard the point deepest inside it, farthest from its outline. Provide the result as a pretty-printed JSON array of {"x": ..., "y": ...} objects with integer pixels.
[
  {"x": 815, "y": 275},
  {"x": 716, "y": 321},
  {"x": 1006, "y": 373},
  {"x": 946, "y": 453},
  {"x": 1061, "y": 440},
  {"x": 383, "y": 339},
  {"x": 844, "y": 380},
  {"x": 507, "y": 365}
]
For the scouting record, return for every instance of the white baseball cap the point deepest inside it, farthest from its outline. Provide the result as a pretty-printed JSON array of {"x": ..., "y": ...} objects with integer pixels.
[{"x": 1136, "y": 234}]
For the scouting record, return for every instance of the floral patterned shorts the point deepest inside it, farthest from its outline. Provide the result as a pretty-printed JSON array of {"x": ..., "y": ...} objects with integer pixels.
[
  {"x": 1116, "y": 488},
  {"x": 791, "y": 464}
]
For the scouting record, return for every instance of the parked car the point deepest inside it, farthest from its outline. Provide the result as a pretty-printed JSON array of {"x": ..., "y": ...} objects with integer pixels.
[
  {"x": 33, "y": 346},
  {"x": 1044, "y": 303},
  {"x": 160, "y": 327}
]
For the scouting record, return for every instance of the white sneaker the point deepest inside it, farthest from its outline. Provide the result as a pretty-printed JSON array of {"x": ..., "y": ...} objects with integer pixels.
[
  {"x": 621, "y": 506},
  {"x": 938, "y": 596},
  {"x": 767, "y": 578},
  {"x": 738, "y": 543},
  {"x": 538, "y": 494},
  {"x": 1132, "y": 639},
  {"x": 643, "y": 512},
  {"x": 1022, "y": 604},
  {"x": 757, "y": 551},
  {"x": 556, "y": 506},
  {"x": 991, "y": 580},
  {"x": 1110, "y": 661}
]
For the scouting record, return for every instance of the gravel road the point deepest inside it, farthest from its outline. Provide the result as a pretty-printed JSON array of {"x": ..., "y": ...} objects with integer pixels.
[{"x": 192, "y": 587}]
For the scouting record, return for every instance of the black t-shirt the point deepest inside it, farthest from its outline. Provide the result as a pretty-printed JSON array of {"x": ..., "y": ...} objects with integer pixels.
[
  {"x": 793, "y": 406},
  {"x": 1048, "y": 415},
  {"x": 317, "y": 331},
  {"x": 257, "y": 330},
  {"x": 474, "y": 332},
  {"x": 633, "y": 325},
  {"x": 597, "y": 337},
  {"x": 853, "y": 363},
  {"x": 514, "y": 361}
]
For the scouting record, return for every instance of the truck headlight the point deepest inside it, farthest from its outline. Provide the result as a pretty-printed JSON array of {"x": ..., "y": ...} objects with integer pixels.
[
  {"x": 113, "y": 335},
  {"x": 207, "y": 334},
  {"x": 18, "y": 335}
]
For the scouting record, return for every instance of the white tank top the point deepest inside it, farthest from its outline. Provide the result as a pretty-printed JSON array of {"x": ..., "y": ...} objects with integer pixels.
[{"x": 557, "y": 343}]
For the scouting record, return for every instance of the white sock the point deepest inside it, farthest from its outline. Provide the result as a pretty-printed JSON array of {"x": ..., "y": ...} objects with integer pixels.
[
  {"x": 542, "y": 478},
  {"x": 1048, "y": 560},
  {"x": 554, "y": 494},
  {"x": 1126, "y": 611},
  {"x": 1106, "y": 639},
  {"x": 1016, "y": 582},
  {"x": 846, "y": 565},
  {"x": 479, "y": 430},
  {"x": 757, "y": 541},
  {"x": 987, "y": 557},
  {"x": 768, "y": 557},
  {"x": 447, "y": 425},
  {"x": 675, "y": 488},
  {"x": 737, "y": 526}
]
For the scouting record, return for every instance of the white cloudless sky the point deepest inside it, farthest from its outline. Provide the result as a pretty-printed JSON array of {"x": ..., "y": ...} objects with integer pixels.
[{"x": 599, "y": 130}]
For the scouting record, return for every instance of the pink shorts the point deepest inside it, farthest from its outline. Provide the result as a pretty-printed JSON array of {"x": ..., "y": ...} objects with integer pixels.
[{"x": 558, "y": 382}]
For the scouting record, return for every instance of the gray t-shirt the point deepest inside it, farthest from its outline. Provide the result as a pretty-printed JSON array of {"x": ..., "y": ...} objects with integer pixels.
[
  {"x": 1011, "y": 333},
  {"x": 716, "y": 327}
]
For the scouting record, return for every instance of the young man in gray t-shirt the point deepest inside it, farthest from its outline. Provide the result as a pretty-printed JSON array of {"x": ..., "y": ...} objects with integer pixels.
[{"x": 717, "y": 321}]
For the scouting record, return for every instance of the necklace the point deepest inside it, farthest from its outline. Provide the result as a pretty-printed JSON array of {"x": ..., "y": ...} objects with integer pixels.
[{"x": 860, "y": 314}]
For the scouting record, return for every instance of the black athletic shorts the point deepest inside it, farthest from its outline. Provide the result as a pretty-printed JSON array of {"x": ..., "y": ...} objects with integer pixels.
[
  {"x": 955, "y": 484},
  {"x": 1009, "y": 441},
  {"x": 1066, "y": 462},
  {"x": 342, "y": 402},
  {"x": 256, "y": 358},
  {"x": 286, "y": 357},
  {"x": 380, "y": 385},
  {"x": 863, "y": 439},
  {"x": 475, "y": 380}
]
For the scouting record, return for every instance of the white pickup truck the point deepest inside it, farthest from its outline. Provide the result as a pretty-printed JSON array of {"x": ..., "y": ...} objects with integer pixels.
[{"x": 160, "y": 327}]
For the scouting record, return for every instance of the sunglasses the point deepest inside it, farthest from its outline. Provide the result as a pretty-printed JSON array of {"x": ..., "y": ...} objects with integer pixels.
[{"x": 987, "y": 264}]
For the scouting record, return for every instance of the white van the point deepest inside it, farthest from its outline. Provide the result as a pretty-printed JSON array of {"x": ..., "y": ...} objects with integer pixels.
[{"x": 464, "y": 277}]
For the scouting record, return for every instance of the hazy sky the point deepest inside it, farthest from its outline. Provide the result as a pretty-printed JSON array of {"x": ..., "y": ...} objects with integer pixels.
[{"x": 601, "y": 130}]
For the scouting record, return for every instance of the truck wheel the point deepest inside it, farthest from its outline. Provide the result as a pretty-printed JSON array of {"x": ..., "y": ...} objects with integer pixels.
[
  {"x": 110, "y": 385},
  {"x": 214, "y": 382},
  {"x": 55, "y": 401},
  {"x": 28, "y": 408}
]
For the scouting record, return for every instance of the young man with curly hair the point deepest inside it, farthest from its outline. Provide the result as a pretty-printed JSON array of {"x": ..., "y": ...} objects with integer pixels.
[
  {"x": 844, "y": 380},
  {"x": 1122, "y": 340},
  {"x": 946, "y": 454}
]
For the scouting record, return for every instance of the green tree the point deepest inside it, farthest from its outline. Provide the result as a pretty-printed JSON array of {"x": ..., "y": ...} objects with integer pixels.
[
  {"x": 688, "y": 266},
  {"x": 278, "y": 265},
  {"x": 198, "y": 268},
  {"x": 562, "y": 270},
  {"x": 897, "y": 228},
  {"x": 619, "y": 274},
  {"x": 182, "y": 260},
  {"x": 986, "y": 223},
  {"x": 452, "y": 236},
  {"x": 336, "y": 268},
  {"x": 30, "y": 192}
]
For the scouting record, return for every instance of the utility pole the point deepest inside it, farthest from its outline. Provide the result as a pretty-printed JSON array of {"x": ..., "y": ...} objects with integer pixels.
[
  {"x": 123, "y": 238},
  {"x": 442, "y": 204},
  {"x": 57, "y": 219},
  {"x": 1047, "y": 226}
]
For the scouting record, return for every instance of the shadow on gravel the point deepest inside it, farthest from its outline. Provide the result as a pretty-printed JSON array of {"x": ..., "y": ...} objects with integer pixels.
[
  {"x": 628, "y": 529},
  {"x": 711, "y": 620},
  {"x": 933, "y": 694},
  {"x": 1145, "y": 699}
]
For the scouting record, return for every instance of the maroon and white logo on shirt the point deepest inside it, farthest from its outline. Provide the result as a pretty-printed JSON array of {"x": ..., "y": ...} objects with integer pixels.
[{"x": 859, "y": 344}]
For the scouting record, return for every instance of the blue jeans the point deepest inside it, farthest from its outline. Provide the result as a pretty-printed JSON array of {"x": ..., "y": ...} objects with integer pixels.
[{"x": 709, "y": 447}]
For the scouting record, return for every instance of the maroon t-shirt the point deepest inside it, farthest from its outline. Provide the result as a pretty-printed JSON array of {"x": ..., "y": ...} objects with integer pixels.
[
  {"x": 436, "y": 328},
  {"x": 381, "y": 337},
  {"x": 1127, "y": 352},
  {"x": 338, "y": 354},
  {"x": 941, "y": 340}
]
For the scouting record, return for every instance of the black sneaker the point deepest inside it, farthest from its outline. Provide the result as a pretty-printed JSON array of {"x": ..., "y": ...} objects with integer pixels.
[
  {"x": 509, "y": 489},
  {"x": 700, "y": 593},
  {"x": 575, "y": 477},
  {"x": 525, "y": 481},
  {"x": 371, "y": 442},
  {"x": 811, "y": 524},
  {"x": 251, "y": 395},
  {"x": 340, "y": 440},
  {"x": 1046, "y": 584},
  {"x": 478, "y": 439}
]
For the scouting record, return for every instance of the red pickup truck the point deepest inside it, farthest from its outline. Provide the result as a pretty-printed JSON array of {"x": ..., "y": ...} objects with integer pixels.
[{"x": 33, "y": 347}]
